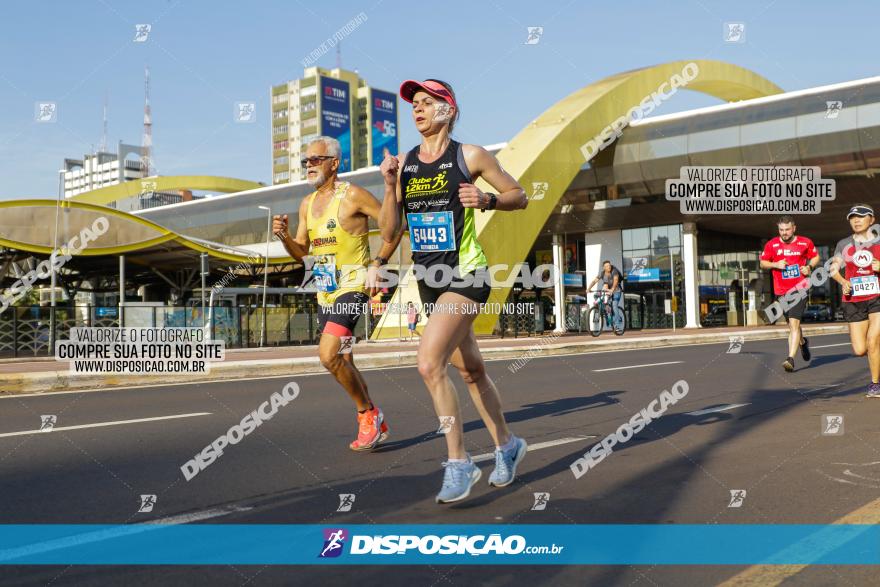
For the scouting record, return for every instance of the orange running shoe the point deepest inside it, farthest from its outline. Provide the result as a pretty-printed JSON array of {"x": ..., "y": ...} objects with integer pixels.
[{"x": 372, "y": 430}]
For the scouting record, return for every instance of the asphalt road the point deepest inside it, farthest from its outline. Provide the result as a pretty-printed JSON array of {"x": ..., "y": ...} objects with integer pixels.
[{"x": 291, "y": 469}]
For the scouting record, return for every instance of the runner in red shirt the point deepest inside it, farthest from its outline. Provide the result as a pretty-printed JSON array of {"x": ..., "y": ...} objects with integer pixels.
[
  {"x": 859, "y": 255},
  {"x": 791, "y": 258}
]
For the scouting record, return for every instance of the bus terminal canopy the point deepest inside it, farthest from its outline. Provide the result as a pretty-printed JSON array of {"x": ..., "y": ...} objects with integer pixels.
[
  {"x": 29, "y": 226},
  {"x": 550, "y": 151}
]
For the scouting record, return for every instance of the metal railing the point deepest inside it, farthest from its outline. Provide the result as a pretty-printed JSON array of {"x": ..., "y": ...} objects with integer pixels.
[
  {"x": 577, "y": 315},
  {"x": 25, "y": 330},
  {"x": 520, "y": 324}
]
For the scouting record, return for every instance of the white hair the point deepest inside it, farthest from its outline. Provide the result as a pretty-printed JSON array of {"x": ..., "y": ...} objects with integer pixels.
[{"x": 332, "y": 145}]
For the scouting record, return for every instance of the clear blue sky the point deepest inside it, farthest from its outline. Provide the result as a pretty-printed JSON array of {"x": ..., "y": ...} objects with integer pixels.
[{"x": 205, "y": 56}]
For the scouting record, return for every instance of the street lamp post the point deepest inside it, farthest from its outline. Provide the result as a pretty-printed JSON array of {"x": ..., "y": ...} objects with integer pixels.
[
  {"x": 672, "y": 287},
  {"x": 400, "y": 299},
  {"x": 265, "y": 270},
  {"x": 52, "y": 265}
]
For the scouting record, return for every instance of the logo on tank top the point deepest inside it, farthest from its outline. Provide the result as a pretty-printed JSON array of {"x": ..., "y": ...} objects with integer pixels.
[
  {"x": 863, "y": 258},
  {"x": 411, "y": 169},
  {"x": 432, "y": 203},
  {"x": 446, "y": 165},
  {"x": 417, "y": 186},
  {"x": 331, "y": 225},
  {"x": 323, "y": 241}
]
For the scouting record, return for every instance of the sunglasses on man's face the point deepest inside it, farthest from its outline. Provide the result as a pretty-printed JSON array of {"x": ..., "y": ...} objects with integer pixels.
[{"x": 314, "y": 160}]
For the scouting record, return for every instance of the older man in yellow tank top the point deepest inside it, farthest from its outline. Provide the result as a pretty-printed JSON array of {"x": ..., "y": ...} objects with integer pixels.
[{"x": 333, "y": 228}]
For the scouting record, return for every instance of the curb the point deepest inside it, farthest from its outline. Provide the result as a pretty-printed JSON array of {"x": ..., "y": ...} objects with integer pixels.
[{"x": 47, "y": 382}]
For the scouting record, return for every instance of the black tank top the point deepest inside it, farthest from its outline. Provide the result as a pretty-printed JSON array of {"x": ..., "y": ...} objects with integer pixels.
[{"x": 439, "y": 225}]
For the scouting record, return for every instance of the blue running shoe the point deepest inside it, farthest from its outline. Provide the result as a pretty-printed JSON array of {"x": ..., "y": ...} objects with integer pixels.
[
  {"x": 506, "y": 462},
  {"x": 458, "y": 478},
  {"x": 873, "y": 390}
]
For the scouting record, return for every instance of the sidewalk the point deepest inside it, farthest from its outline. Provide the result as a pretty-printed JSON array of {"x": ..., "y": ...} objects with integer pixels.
[{"x": 45, "y": 374}]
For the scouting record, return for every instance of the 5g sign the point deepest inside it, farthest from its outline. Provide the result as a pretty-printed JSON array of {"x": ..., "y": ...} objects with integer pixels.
[
  {"x": 383, "y": 125},
  {"x": 388, "y": 128}
]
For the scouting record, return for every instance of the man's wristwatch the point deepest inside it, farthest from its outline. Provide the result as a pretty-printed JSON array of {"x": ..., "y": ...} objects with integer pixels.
[
  {"x": 380, "y": 260},
  {"x": 493, "y": 201}
]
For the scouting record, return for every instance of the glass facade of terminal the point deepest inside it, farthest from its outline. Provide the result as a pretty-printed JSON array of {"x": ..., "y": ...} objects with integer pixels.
[{"x": 652, "y": 267}]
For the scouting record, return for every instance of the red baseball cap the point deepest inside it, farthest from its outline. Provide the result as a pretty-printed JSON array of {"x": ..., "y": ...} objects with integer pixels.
[{"x": 409, "y": 88}]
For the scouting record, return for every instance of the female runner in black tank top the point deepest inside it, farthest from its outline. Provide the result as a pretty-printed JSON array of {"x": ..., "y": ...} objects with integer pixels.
[{"x": 433, "y": 187}]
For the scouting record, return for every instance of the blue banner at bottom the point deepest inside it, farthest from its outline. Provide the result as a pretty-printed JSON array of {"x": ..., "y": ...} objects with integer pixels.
[{"x": 523, "y": 544}]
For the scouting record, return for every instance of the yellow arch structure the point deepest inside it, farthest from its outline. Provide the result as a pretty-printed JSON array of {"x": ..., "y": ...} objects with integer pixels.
[
  {"x": 28, "y": 225},
  {"x": 128, "y": 189},
  {"x": 549, "y": 150}
]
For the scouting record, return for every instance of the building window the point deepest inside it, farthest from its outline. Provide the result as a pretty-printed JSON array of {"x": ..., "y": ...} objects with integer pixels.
[
  {"x": 648, "y": 255},
  {"x": 654, "y": 243}
]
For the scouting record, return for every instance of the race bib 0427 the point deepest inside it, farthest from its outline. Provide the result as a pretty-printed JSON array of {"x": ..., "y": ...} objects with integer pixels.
[{"x": 864, "y": 286}]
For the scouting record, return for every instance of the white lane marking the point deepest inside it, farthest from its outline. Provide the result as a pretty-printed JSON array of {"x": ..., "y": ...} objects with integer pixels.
[
  {"x": 725, "y": 407},
  {"x": 826, "y": 346},
  {"x": 847, "y": 481},
  {"x": 864, "y": 481},
  {"x": 199, "y": 516},
  {"x": 637, "y": 366},
  {"x": 849, "y": 473},
  {"x": 101, "y": 424},
  {"x": 721, "y": 408},
  {"x": 821, "y": 387},
  {"x": 101, "y": 535},
  {"x": 537, "y": 446},
  {"x": 362, "y": 370}
]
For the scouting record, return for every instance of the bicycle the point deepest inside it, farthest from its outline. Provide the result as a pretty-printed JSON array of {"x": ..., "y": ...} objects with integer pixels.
[{"x": 606, "y": 313}]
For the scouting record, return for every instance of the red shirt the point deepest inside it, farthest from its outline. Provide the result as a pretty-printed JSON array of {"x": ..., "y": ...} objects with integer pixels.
[
  {"x": 857, "y": 262},
  {"x": 796, "y": 254}
]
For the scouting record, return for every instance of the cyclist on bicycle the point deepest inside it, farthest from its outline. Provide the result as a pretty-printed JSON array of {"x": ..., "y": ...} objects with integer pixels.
[{"x": 612, "y": 282}]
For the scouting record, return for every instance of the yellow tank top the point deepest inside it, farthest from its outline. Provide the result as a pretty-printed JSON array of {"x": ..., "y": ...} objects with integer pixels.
[{"x": 341, "y": 258}]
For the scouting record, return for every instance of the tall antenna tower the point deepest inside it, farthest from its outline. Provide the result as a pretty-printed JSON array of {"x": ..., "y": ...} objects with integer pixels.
[
  {"x": 103, "y": 147},
  {"x": 339, "y": 55},
  {"x": 147, "y": 141}
]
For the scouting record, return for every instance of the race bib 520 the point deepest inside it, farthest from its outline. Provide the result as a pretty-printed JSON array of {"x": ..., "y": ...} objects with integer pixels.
[{"x": 324, "y": 273}]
